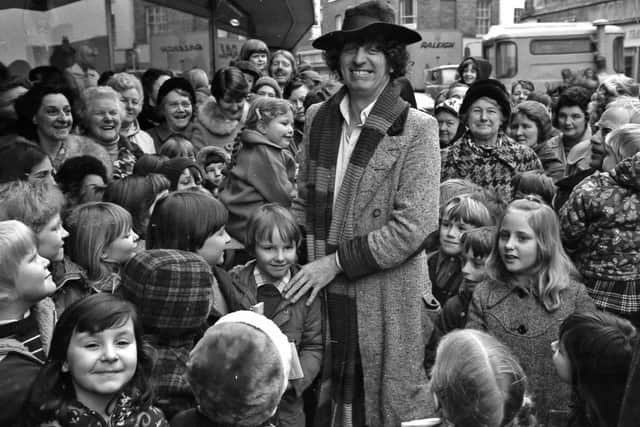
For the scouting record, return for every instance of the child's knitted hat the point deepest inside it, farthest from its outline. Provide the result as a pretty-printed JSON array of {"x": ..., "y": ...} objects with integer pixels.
[{"x": 239, "y": 370}]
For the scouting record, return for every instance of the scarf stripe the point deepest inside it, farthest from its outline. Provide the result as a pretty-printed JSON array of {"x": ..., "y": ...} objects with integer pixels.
[{"x": 329, "y": 224}]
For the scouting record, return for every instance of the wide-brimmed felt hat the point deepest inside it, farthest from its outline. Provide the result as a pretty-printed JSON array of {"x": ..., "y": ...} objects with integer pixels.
[{"x": 367, "y": 21}]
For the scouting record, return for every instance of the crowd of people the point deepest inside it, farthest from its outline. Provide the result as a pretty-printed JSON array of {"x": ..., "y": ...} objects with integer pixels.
[{"x": 270, "y": 247}]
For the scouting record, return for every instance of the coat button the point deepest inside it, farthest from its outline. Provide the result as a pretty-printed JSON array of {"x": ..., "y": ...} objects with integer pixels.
[
  {"x": 376, "y": 213},
  {"x": 522, "y": 329}
]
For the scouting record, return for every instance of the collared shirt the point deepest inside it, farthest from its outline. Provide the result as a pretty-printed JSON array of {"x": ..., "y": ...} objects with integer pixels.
[
  {"x": 279, "y": 285},
  {"x": 348, "y": 141}
]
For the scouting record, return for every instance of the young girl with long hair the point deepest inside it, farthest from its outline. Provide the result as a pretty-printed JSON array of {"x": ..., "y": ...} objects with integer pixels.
[
  {"x": 532, "y": 287},
  {"x": 101, "y": 240},
  {"x": 98, "y": 369},
  {"x": 477, "y": 381},
  {"x": 264, "y": 169},
  {"x": 593, "y": 355}
]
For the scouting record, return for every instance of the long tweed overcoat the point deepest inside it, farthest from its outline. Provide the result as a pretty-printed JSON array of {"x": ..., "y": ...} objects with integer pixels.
[{"x": 395, "y": 208}]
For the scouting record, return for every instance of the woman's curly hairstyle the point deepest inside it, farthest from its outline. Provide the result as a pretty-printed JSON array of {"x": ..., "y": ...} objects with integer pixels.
[{"x": 395, "y": 52}]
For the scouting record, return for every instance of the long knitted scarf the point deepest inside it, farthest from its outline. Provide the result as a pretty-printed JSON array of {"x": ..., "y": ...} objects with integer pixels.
[{"x": 328, "y": 225}]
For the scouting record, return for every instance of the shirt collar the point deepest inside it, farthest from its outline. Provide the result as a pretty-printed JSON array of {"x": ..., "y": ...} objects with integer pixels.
[
  {"x": 261, "y": 280},
  {"x": 344, "y": 110}
]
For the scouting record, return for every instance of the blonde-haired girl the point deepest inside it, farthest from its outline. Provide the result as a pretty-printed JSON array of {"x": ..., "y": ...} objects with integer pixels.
[{"x": 532, "y": 287}]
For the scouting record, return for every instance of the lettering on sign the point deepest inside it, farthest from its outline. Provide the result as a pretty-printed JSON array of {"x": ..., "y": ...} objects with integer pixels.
[
  {"x": 437, "y": 45},
  {"x": 182, "y": 48}
]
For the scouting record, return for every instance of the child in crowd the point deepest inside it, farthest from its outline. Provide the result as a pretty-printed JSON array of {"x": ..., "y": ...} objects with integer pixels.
[
  {"x": 177, "y": 146},
  {"x": 101, "y": 240},
  {"x": 273, "y": 238},
  {"x": 593, "y": 355},
  {"x": 534, "y": 183},
  {"x": 476, "y": 247},
  {"x": 263, "y": 170},
  {"x": 477, "y": 381},
  {"x": 38, "y": 205},
  {"x": 27, "y": 315},
  {"x": 194, "y": 221},
  {"x": 182, "y": 173},
  {"x": 172, "y": 291},
  {"x": 238, "y": 372},
  {"x": 98, "y": 371},
  {"x": 531, "y": 287},
  {"x": 214, "y": 161},
  {"x": 458, "y": 215}
]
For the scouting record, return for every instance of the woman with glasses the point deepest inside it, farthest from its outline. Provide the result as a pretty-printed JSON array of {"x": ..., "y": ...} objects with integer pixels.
[{"x": 176, "y": 99}]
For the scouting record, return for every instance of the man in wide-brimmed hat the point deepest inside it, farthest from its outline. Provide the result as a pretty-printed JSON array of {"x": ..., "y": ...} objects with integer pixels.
[{"x": 368, "y": 198}]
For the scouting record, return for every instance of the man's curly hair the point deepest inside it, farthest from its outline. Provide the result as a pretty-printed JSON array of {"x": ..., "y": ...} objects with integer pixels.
[{"x": 395, "y": 52}]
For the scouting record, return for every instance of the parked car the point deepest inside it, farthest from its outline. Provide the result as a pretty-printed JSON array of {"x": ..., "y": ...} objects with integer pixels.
[{"x": 438, "y": 78}]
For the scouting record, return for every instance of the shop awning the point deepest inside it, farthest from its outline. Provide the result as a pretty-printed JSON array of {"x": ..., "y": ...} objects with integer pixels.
[{"x": 279, "y": 23}]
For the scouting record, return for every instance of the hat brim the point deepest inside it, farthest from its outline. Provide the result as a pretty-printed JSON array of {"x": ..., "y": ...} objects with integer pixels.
[{"x": 337, "y": 39}]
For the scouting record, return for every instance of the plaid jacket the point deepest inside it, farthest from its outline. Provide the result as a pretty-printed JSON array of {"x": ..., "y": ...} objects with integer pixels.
[
  {"x": 489, "y": 167},
  {"x": 173, "y": 293}
]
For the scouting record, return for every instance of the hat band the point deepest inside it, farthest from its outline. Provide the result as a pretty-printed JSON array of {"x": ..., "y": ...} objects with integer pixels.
[{"x": 354, "y": 22}]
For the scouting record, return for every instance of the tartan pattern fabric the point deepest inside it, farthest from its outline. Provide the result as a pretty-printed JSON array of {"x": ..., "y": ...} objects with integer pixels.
[
  {"x": 327, "y": 227},
  {"x": 490, "y": 167},
  {"x": 173, "y": 393},
  {"x": 172, "y": 290},
  {"x": 616, "y": 296}
]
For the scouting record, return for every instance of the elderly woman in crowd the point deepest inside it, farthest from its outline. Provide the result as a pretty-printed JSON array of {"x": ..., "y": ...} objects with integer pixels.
[
  {"x": 368, "y": 198},
  {"x": 45, "y": 116},
  {"x": 219, "y": 119},
  {"x": 101, "y": 120},
  {"x": 131, "y": 96},
  {"x": 531, "y": 126},
  {"x": 176, "y": 99},
  {"x": 572, "y": 119},
  {"x": 600, "y": 227},
  {"x": 257, "y": 52},
  {"x": 447, "y": 115},
  {"x": 282, "y": 67},
  {"x": 484, "y": 154}
]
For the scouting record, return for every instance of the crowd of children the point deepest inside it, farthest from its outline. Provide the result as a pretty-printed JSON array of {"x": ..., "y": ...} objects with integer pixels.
[{"x": 143, "y": 277}]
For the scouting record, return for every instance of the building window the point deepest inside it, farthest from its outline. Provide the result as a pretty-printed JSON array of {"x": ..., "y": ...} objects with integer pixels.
[
  {"x": 338, "y": 22},
  {"x": 157, "y": 20},
  {"x": 483, "y": 16},
  {"x": 517, "y": 14},
  {"x": 408, "y": 12}
]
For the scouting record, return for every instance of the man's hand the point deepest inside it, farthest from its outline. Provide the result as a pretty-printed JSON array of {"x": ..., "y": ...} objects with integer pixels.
[{"x": 312, "y": 277}]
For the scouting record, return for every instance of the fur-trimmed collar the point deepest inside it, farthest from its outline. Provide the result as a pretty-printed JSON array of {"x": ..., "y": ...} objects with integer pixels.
[{"x": 211, "y": 117}]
